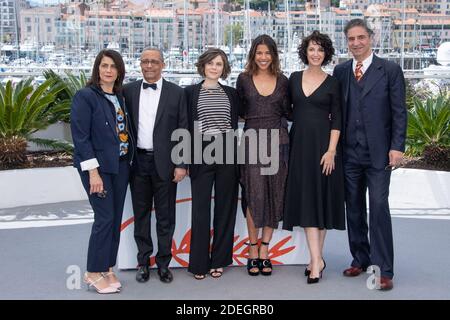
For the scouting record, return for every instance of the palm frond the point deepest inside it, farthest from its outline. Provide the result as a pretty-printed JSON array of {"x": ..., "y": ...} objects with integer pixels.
[
  {"x": 53, "y": 144},
  {"x": 428, "y": 124}
]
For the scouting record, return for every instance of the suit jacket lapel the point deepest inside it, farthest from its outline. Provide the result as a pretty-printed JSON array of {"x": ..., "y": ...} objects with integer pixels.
[
  {"x": 373, "y": 76},
  {"x": 109, "y": 111},
  {"x": 134, "y": 103},
  {"x": 347, "y": 75},
  {"x": 345, "y": 83},
  {"x": 194, "y": 101},
  {"x": 162, "y": 101},
  {"x": 110, "y": 115},
  {"x": 233, "y": 112}
]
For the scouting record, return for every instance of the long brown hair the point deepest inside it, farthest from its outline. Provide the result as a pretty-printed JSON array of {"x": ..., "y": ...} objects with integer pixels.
[
  {"x": 118, "y": 61},
  {"x": 251, "y": 68}
]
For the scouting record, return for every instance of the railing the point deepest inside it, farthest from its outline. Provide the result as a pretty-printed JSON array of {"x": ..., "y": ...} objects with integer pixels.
[{"x": 186, "y": 77}]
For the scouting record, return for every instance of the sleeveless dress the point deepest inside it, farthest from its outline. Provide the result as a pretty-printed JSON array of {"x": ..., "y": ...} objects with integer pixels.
[
  {"x": 264, "y": 194},
  {"x": 312, "y": 198}
]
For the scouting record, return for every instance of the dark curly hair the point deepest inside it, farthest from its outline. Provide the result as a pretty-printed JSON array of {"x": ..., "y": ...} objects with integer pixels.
[{"x": 322, "y": 40}]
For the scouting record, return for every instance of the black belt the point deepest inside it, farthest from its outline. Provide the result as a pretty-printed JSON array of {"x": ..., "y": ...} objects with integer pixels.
[{"x": 145, "y": 151}]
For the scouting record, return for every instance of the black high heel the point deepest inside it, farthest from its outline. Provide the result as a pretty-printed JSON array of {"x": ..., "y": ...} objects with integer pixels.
[
  {"x": 265, "y": 263},
  {"x": 307, "y": 272},
  {"x": 253, "y": 264},
  {"x": 310, "y": 280}
]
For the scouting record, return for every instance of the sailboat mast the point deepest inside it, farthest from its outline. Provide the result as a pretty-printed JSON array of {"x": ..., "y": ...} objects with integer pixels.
[
  {"x": 216, "y": 16},
  {"x": 185, "y": 39},
  {"x": 287, "y": 52},
  {"x": 247, "y": 30}
]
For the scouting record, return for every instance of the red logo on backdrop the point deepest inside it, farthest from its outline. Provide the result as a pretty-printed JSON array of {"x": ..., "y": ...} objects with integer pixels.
[{"x": 240, "y": 248}]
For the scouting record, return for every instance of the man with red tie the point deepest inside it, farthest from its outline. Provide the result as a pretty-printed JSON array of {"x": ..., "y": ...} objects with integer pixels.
[{"x": 374, "y": 132}]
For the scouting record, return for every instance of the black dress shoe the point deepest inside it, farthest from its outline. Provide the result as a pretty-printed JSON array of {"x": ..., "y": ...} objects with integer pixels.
[
  {"x": 143, "y": 274},
  {"x": 165, "y": 275}
]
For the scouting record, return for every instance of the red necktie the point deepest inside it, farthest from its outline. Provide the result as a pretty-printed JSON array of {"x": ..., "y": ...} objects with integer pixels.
[{"x": 358, "y": 71}]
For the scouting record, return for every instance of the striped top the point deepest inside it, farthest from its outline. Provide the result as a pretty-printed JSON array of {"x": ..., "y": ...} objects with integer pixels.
[{"x": 214, "y": 111}]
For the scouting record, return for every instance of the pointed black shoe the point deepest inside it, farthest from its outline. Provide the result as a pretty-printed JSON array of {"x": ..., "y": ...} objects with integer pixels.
[
  {"x": 307, "y": 272},
  {"x": 310, "y": 280}
]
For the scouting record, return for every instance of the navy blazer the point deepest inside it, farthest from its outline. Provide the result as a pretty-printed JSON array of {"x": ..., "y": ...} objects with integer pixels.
[
  {"x": 383, "y": 107},
  {"x": 170, "y": 115},
  {"x": 93, "y": 126},
  {"x": 192, "y": 94}
]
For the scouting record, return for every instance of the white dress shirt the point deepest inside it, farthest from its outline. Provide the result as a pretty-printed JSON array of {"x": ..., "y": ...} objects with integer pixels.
[
  {"x": 366, "y": 63},
  {"x": 148, "y": 106}
]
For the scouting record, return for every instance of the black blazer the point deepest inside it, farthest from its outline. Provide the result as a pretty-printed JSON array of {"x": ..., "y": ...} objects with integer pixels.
[
  {"x": 171, "y": 115},
  {"x": 192, "y": 93},
  {"x": 92, "y": 123},
  {"x": 383, "y": 106}
]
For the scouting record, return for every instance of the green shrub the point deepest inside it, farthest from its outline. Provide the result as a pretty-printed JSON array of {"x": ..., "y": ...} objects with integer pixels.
[
  {"x": 25, "y": 110},
  {"x": 428, "y": 124}
]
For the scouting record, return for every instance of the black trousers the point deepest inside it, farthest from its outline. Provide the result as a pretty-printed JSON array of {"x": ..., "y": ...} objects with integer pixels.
[
  {"x": 224, "y": 179},
  {"x": 105, "y": 234},
  {"x": 148, "y": 188},
  {"x": 360, "y": 176}
]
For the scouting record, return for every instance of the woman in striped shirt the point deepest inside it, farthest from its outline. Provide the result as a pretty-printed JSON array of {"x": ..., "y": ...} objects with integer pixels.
[{"x": 213, "y": 113}]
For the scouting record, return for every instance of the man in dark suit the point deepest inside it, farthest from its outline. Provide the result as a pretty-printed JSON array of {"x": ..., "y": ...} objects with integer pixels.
[
  {"x": 157, "y": 108},
  {"x": 374, "y": 109}
]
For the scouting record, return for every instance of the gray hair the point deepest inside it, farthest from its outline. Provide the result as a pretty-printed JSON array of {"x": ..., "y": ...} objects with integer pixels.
[
  {"x": 154, "y": 49},
  {"x": 358, "y": 23}
]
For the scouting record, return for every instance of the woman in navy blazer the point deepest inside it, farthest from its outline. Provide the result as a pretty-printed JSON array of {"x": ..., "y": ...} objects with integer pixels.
[{"x": 103, "y": 153}]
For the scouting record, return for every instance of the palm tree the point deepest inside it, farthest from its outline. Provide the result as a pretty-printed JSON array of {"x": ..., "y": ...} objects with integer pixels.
[
  {"x": 429, "y": 126},
  {"x": 25, "y": 110},
  {"x": 69, "y": 85}
]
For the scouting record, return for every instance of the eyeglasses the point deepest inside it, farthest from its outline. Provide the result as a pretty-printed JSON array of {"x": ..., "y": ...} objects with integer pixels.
[{"x": 152, "y": 62}]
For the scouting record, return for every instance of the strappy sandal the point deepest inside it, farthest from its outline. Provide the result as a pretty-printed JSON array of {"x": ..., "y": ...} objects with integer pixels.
[
  {"x": 253, "y": 263},
  {"x": 116, "y": 284},
  {"x": 199, "y": 276},
  {"x": 92, "y": 284},
  {"x": 216, "y": 273},
  {"x": 265, "y": 263}
]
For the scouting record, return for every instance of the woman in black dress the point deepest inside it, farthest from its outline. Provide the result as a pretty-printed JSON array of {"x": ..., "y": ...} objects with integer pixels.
[
  {"x": 265, "y": 106},
  {"x": 315, "y": 184}
]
